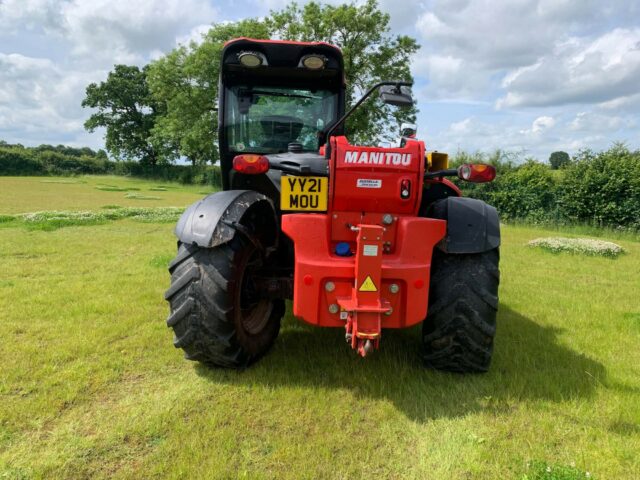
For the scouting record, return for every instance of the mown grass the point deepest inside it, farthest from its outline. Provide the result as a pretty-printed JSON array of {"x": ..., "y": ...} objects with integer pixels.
[
  {"x": 52, "y": 220},
  {"x": 31, "y": 194},
  {"x": 91, "y": 386}
]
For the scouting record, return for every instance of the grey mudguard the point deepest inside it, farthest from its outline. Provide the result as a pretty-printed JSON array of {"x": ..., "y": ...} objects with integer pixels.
[
  {"x": 202, "y": 223},
  {"x": 472, "y": 225}
]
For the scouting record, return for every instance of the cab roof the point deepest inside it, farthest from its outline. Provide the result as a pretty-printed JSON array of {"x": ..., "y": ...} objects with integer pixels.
[{"x": 283, "y": 60}]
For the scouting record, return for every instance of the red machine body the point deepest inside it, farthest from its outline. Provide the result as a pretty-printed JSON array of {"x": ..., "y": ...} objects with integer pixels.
[
  {"x": 374, "y": 199},
  {"x": 361, "y": 223}
]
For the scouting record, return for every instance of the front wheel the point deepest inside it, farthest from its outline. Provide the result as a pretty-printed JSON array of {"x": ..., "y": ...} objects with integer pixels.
[
  {"x": 216, "y": 315},
  {"x": 460, "y": 326}
]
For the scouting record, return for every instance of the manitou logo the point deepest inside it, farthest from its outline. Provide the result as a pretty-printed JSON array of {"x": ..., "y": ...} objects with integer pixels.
[{"x": 378, "y": 158}]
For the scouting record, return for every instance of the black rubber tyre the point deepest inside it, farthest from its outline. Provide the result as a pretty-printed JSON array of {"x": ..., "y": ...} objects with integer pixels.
[
  {"x": 461, "y": 321},
  {"x": 213, "y": 316}
]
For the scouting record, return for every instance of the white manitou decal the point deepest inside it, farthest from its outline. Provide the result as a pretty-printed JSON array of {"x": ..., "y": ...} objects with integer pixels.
[{"x": 378, "y": 158}]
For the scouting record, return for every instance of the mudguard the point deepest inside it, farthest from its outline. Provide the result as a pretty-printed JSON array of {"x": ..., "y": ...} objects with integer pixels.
[
  {"x": 472, "y": 225},
  {"x": 209, "y": 222}
]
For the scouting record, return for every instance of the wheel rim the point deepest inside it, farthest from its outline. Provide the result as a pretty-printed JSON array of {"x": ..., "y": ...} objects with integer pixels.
[{"x": 254, "y": 311}]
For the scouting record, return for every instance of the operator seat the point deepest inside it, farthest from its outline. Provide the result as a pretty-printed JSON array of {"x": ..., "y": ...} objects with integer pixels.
[{"x": 280, "y": 130}]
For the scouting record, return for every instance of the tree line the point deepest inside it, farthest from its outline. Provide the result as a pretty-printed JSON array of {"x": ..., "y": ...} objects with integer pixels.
[
  {"x": 596, "y": 188},
  {"x": 18, "y": 160},
  {"x": 167, "y": 109}
]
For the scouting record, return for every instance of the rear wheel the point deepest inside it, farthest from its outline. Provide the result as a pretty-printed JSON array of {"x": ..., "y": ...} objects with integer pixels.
[
  {"x": 216, "y": 314},
  {"x": 460, "y": 326}
]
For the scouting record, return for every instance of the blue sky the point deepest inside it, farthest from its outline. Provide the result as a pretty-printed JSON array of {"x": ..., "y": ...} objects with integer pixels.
[{"x": 528, "y": 76}]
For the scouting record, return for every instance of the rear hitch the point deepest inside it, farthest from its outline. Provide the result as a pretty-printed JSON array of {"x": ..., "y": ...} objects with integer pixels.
[
  {"x": 365, "y": 307},
  {"x": 362, "y": 345}
]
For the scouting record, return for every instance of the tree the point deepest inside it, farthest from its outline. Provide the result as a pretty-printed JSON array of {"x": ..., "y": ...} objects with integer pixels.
[
  {"x": 168, "y": 110},
  {"x": 559, "y": 160},
  {"x": 185, "y": 83},
  {"x": 370, "y": 53},
  {"x": 127, "y": 111}
]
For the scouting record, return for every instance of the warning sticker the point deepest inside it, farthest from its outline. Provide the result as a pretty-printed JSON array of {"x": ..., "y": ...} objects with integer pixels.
[
  {"x": 370, "y": 251},
  {"x": 368, "y": 285},
  {"x": 369, "y": 183}
]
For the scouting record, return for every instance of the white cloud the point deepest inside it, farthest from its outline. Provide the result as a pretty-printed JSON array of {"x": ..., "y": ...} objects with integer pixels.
[
  {"x": 579, "y": 71},
  {"x": 629, "y": 103},
  {"x": 31, "y": 14},
  {"x": 489, "y": 34},
  {"x": 114, "y": 31},
  {"x": 126, "y": 31},
  {"x": 196, "y": 35},
  {"x": 38, "y": 97},
  {"x": 463, "y": 126},
  {"x": 595, "y": 122},
  {"x": 540, "y": 52},
  {"x": 542, "y": 123},
  {"x": 543, "y": 135}
]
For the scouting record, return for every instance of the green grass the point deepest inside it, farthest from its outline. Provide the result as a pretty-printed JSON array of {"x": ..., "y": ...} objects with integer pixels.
[
  {"x": 138, "y": 196},
  {"x": 31, "y": 194},
  {"x": 114, "y": 188},
  {"x": 543, "y": 471},
  {"x": 91, "y": 386}
]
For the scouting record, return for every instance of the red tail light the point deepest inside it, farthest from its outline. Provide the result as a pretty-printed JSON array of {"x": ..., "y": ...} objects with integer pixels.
[
  {"x": 251, "y": 164},
  {"x": 476, "y": 173}
]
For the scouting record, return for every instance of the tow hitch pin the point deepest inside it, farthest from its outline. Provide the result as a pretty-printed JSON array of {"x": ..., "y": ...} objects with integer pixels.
[{"x": 368, "y": 347}]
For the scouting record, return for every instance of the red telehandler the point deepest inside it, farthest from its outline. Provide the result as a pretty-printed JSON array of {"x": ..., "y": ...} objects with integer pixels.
[{"x": 358, "y": 237}]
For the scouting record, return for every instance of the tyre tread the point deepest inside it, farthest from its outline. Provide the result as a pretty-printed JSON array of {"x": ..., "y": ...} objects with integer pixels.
[
  {"x": 460, "y": 327},
  {"x": 201, "y": 307}
]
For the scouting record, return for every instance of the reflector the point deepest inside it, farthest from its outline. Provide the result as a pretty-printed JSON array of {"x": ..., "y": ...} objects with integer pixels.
[
  {"x": 251, "y": 164},
  {"x": 476, "y": 173}
]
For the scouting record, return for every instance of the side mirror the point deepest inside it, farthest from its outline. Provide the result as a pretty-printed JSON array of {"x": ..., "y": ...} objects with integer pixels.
[
  {"x": 408, "y": 130},
  {"x": 396, "y": 96}
]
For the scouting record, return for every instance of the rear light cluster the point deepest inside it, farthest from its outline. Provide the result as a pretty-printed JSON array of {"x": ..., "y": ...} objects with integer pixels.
[
  {"x": 405, "y": 188},
  {"x": 251, "y": 164},
  {"x": 476, "y": 173}
]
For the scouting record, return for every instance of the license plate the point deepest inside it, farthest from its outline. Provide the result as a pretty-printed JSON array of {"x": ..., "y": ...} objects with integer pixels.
[{"x": 307, "y": 194}]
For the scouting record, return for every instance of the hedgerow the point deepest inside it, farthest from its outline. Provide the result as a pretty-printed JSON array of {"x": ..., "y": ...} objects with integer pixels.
[
  {"x": 17, "y": 160},
  {"x": 601, "y": 189},
  {"x": 597, "y": 188}
]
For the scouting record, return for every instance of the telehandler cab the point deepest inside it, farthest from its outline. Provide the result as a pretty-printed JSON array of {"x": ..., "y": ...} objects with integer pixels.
[{"x": 358, "y": 237}]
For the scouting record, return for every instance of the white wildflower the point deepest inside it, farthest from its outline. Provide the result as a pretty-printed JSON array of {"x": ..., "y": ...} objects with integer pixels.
[
  {"x": 586, "y": 246},
  {"x": 148, "y": 214}
]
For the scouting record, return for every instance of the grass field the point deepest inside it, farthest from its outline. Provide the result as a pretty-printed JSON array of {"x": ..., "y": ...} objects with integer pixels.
[
  {"x": 91, "y": 386},
  {"x": 30, "y": 194}
]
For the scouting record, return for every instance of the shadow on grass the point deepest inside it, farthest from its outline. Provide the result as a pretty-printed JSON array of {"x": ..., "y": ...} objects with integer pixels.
[{"x": 528, "y": 364}]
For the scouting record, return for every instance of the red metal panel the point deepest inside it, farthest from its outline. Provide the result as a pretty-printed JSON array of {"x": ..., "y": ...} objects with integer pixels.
[
  {"x": 408, "y": 267},
  {"x": 369, "y": 178},
  {"x": 287, "y": 42}
]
